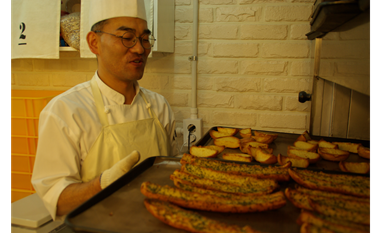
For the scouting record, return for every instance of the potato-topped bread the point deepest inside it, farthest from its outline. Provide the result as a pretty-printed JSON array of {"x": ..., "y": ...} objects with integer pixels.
[
  {"x": 325, "y": 144},
  {"x": 265, "y": 156},
  {"x": 296, "y": 162},
  {"x": 354, "y": 167},
  {"x": 305, "y": 146},
  {"x": 297, "y": 153},
  {"x": 223, "y": 132},
  {"x": 333, "y": 154},
  {"x": 363, "y": 152},
  {"x": 238, "y": 157},
  {"x": 227, "y": 142},
  {"x": 201, "y": 151},
  {"x": 348, "y": 146},
  {"x": 245, "y": 133}
]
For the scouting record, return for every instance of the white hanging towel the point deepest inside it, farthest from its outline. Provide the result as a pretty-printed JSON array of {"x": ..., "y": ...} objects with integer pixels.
[
  {"x": 93, "y": 11},
  {"x": 85, "y": 51},
  {"x": 149, "y": 10},
  {"x": 35, "y": 28}
]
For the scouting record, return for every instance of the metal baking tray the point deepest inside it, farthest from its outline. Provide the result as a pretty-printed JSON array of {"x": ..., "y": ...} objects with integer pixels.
[
  {"x": 120, "y": 207},
  {"x": 280, "y": 146}
]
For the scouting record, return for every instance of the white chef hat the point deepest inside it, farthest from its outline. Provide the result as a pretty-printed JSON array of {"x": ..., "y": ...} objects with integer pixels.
[{"x": 106, "y": 9}]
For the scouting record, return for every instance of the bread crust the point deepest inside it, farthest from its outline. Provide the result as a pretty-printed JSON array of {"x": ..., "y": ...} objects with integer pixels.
[
  {"x": 301, "y": 200},
  {"x": 310, "y": 228},
  {"x": 329, "y": 182},
  {"x": 339, "y": 213},
  {"x": 192, "y": 188},
  {"x": 208, "y": 202},
  {"x": 242, "y": 189},
  {"x": 226, "y": 177},
  {"x": 270, "y": 172},
  {"x": 313, "y": 192},
  {"x": 329, "y": 223},
  {"x": 188, "y": 220}
]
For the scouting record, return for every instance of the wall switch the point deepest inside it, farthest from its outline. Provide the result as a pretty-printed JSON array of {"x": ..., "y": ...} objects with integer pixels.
[{"x": 195, "y": 125}]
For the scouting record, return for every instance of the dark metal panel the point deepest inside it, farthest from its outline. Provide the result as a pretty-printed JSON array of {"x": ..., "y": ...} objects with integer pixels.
[
  {"x": 359, "y": 121},
  {"x": 341, "y": 107}
]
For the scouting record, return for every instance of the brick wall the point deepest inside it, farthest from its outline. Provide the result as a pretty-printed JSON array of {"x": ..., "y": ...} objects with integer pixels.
[{"x": 253, "y": 60}]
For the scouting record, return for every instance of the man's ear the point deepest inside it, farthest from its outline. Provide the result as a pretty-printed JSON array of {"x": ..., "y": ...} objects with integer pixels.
[{"x": 93, "y": 42}]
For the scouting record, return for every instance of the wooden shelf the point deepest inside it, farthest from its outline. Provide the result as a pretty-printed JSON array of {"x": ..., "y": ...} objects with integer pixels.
[{"x": 67, "y": 49}]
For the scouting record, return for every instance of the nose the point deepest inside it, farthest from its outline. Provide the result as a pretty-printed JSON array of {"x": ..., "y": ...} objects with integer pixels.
[{"x": 138, "y": 48}]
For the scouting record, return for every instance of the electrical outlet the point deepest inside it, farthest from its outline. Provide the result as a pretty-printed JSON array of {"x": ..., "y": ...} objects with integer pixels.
[{"x": 196, "y": 133}]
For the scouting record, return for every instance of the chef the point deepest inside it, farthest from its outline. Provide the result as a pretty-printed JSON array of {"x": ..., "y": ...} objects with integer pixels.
[{"x": 92, "y": 134}]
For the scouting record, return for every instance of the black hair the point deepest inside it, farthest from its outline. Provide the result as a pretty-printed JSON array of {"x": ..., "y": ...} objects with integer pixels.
[{"x": 99, "y": 25}]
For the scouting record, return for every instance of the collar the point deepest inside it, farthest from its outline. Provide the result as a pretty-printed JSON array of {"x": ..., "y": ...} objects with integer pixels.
[{"x": 111, "y": 95}]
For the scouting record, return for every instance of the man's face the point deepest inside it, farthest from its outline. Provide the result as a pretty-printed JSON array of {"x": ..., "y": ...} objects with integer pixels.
[{"x": 117, "y": 61}]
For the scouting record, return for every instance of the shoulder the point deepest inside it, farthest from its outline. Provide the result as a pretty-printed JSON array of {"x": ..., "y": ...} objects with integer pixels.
[
  {"x": 158, "y": 102},
  {"x": 154, "y": 97},
  {"x": 76, "y": 97}
]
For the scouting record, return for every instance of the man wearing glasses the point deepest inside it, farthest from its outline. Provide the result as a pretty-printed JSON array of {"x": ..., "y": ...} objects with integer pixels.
[{"x": 97, "y": 131}]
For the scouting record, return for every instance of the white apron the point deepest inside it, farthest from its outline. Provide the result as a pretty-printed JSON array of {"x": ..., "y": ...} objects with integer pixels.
[{"x": 114, "y": 142}]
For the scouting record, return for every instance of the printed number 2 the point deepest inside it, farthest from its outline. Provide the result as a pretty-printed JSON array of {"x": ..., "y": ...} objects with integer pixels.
[{"x": 22, "y": 36}]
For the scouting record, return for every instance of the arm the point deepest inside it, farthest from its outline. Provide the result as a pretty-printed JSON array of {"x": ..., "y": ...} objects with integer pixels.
[{"x": 76, "y": 194}]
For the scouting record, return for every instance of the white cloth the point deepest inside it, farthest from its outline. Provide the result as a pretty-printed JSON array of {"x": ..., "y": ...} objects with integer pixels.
[
  {"x": 85, "y": 27},
  {"x": 69, "y": 125},
  {"x": 35, "y": 29}
]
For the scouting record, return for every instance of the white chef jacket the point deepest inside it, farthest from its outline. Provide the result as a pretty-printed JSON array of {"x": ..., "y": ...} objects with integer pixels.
[{"x": 69, "y": 125}]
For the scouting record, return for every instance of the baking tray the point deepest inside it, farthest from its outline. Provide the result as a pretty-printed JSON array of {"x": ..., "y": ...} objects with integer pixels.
[
  {"x": 280, "y": 146},
  {"x": 120, "y": 207}
]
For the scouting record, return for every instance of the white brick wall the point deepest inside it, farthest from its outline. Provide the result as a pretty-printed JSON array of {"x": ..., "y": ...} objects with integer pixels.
[{"x": 253, "y": 59}]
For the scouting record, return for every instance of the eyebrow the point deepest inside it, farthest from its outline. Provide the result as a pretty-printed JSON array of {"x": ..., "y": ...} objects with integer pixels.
[{"x": 124, "y": 28}]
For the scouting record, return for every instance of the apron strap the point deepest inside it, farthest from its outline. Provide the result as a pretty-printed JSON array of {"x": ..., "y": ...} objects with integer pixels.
[
  {"x": 148, "y": 105},
  {"x": 99, "y": 102}
]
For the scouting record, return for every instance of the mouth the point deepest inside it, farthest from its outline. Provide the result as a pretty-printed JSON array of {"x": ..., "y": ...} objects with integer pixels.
[{"x": 137, "y": 61}]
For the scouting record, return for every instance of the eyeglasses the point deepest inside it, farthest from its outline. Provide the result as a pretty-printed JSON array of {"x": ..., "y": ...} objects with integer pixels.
[{"x": 129, "y": 39}]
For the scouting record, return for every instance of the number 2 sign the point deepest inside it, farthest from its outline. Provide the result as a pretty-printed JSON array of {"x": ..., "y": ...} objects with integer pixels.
[{"x": 22, "y": 36}]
